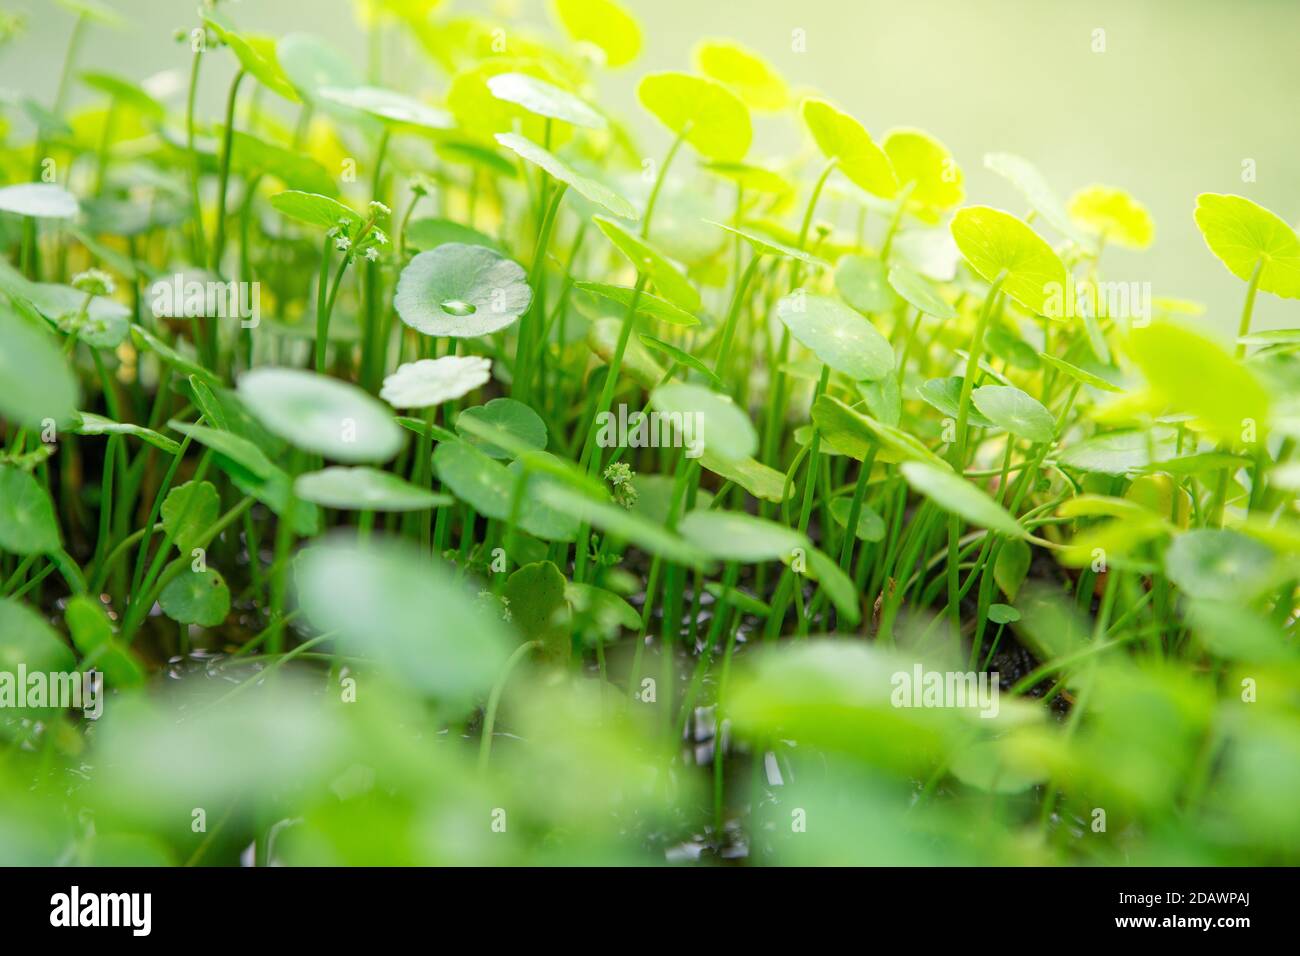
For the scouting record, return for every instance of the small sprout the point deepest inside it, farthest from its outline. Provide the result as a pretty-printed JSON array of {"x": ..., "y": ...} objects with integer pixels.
[
  {"x": 620, "y": 476},
  {"x": 93, "y": 282},
  {"x": 379, "y": 209}
]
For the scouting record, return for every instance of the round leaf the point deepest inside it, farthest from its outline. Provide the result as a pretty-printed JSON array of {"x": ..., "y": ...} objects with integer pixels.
[
  {"x": 994, "y": 242},
  {"x": 557, "y": 169},
  {"x": 953, "y": 493},
  {"x": 27, "y": 521},
  {"x": 920, "y": 159},
  {"x": 196, "y": 597},
  {"x": 428, "y": 382},
  {"x": 364, "y": 489},
  {"x": 510, "y": 416},
  {"x": 1217, "y": 565},
  {"x": 842, "y": 138},
  {"x": 461, "y": 291},
  {"x": 314, "y": 209},
  {"x": 321, "y": 415},
  {"x": 35, "y": 380},
  {"x": 388, "y": 106},
  {"x": 544, "y": 99},
  {"x": 41, "y": 200},
  {"x": 750, "y": 76},
  {"x": 734, "y": 536},
  {"x": 1021, "y": 414},
  {"x": 709, "y": 116},
  {"x": 840, "y": 337},
  {"x": 919, "y": 293},
  {"x": 700, "y": 418},
  {"x": 1242, "y": 233},
  {"x": 603, "y": 24},
  {"x": 1113, "y": 215}
]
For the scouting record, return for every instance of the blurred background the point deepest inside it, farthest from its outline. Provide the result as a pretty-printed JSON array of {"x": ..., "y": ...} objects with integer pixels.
[{"x": 1185, "y": 92}]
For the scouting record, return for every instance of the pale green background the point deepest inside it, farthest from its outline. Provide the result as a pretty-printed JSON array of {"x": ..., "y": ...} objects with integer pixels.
[{"x": 1185, "y": 91}]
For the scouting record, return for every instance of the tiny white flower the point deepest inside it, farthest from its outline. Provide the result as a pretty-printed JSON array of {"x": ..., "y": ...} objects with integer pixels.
[
  {"x": 372, "y": 254},
  {"x": 380, "y": 237},
  {"x": 434, "y": 381},
  {"x": 342, "y": 243}
]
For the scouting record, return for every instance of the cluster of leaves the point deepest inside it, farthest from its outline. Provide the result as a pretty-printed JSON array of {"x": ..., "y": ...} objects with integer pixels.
[{"x": 417, "y": 500}]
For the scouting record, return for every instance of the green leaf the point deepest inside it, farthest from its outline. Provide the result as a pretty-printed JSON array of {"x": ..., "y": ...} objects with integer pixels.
[
  {"x": 365, "y": 489},
  {"x": 1021, "y": 414},
  {"x": 842, "y": 138},
  {"x": 196, "y": 597},
  {"x": 311, "y": 64},
  {"x": 853, "y": 433},
  {"x": 188, "y": 511},
  {"x": 884, "y": 398},
  {"x": 764, "y": 245},
  {"x": 651, "y": 263},
  {"x": 995, "y": 242},
  {"x": 557, "y": 169},
  {"x": 1216, "y": 565},
  {"x": 1116, "y": 453},
  {"x": 36, "y": 382},
  {"x": 748, "y": 75},
  {"x": 321, "y": 415},
  {"x": 1242, "y": 233},
  {"x": 1003, "y": 614},
  {"x": 620, "y": 523},
  {"x": 1195, "y": 375},
  {"x": 314, "y": 209},
  {"x": 39, "y": 200},
  {"x": 920, "y": 159},
  {"x": 680, "y": 357},
  {"x": 1031, "y": 184},
  {"x": 955, "y": 494},
  {"x": 388, "y": 106},
  {"x": 862, "y": 283},
  {"x": 603, "y": 24},
  {"x": 871, "y": 527},
  {"x": 736, "y": 536},
  {"x": 544, "y": 99},
  {"x": 89, "y": 423},
  {"x": 758, "y": 479},
  {"x": 256, "y": 54},
  {"x": 647, "y": 303},
  {"x": 944, "y": 394},
  {"x": 838, "y": 336},
  {"x": 253, "y": 473},
  {"x": 411, "y": 617},
  {"x": 1012, "y": 566},
  {"x": 839, "y": 587},
  {"x": 704, "y": 112},
  {"x": 428, "y": 382},
  {"x": 250, "y": 154},
  {"x": 1113, "y": 215},
  {"x": 602, "y": 337},
  {"x": 92, "y": 635},
  {"x": 1079, "y": 374},
  {"x": 539, "y": 608},
  {"x": 510, "y": 415},
  {"x": 26, "y": 639},
  {"x": 430, "y": 233},
  {"x": 489, "y": 487},
  {"x": 598, "y": 613},
  {"x": 27, "y": 521},
  {"x": 461, "y": 291},
  {"x": 919, "y": 293},
  {"x": 700, "y": 418}
]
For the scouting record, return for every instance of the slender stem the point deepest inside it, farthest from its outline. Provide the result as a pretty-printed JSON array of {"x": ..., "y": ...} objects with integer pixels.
[{"x": 494, "y": 701}]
